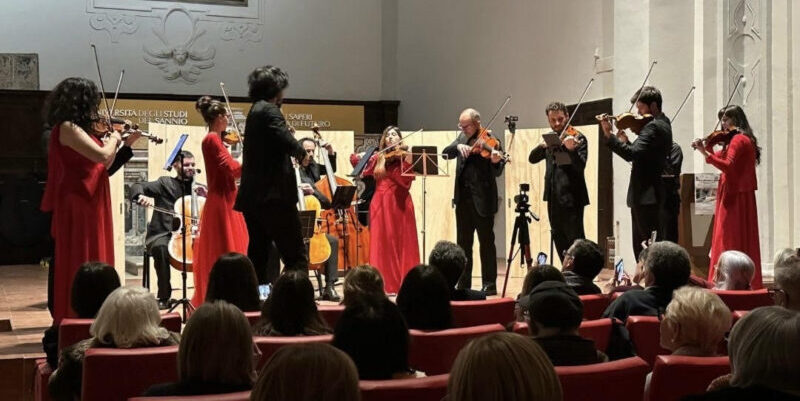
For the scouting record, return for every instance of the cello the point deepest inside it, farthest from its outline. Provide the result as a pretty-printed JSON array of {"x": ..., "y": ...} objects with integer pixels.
[
  {"x": 319, "y": 249},
  {"x": 343, "y": 224},
  {"x": 193, "y": 204}
]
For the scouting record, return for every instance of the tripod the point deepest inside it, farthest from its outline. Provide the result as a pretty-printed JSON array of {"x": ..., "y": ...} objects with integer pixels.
[{"x": 524, "y": 216}]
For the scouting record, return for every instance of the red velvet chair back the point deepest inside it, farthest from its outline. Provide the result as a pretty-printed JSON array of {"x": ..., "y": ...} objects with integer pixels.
[
  {"x": 268, "y": 345},
  {"x": 738, "y": 315},
  {"x": 240, "y": 396},
  {"x": 675, "y": 377},
  {"x": 521, "y": 328},
  {"x": 253, "y": 317},
  {"x": 598, "y": 330},
  {"x": 331, "y": 313},
  {"x": 434, "y": 352},
  {"x": 594, "y": 306},
  {"x": 745, "y": 300},
  {"x": 646, "y": 337},
  {"x": 621, "y": 380},
  {"x": 72, "y": 330},
  {"x": 476, "y": 313},
  {"x": 431, "y": 388},
  {"x": 111, "y": 374}
]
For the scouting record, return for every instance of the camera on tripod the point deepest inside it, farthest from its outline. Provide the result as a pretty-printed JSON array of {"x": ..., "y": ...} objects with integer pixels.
[{"x": 522, "y": 199}]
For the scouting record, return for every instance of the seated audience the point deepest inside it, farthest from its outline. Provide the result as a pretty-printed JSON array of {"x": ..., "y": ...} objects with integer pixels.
[
  {"x": 630, "y": 283},
  {"x": 362, "y": 282},
  {"x": 129, "y": 318},
  {"x": 290, "y": 309},
  {"x": 695, "y": 322},
  {"x": 307, "y": 372},
  {"x": 502, "y": 367},
  {"x": 556, "y": 313},
  {"x": 786, "y": 291},
  {"x": 765, "y": 358},
  {"x": 582, "y": 263},
  {"x": 535, "y": 276},
  {"x": 215, "y": 355},
  {"x": 451, "y": 260},
  {"x": 233, "y": 280},
  {"x": 92, "y": 283},
  {"x": 424, "y": 299},
  {"x": 666, "y": 268},
  {"x": 734, "y": 271},
  {"x": 783, "y": 254},
  {"x": 375, "y": 336}
]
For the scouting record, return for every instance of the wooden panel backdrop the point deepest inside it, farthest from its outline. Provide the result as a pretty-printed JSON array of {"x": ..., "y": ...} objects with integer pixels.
[
  {"x": 520, "y": 171},
  {"x": 117, "y": 185}
]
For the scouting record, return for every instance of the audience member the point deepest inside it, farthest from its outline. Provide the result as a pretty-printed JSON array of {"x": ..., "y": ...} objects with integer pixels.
[
  {"x": 695, "y": 322},
  {"x": 555, "y": 315},
  {"x": 129, "y": 318},
  {"x": 786, "y": 291},
  {"x": 783, "y": 254},
  {"x": 535, "y": 276},
  {"x": 290, "y": 310},
  {"x": 233, "y": 280},
  {"x": 734, "y": 271},
  {"x": 375, "y": 336},
  {"x": 582, "y": 263},
  {"x": 451, "y": 260},
  {"x": 307, "y": 372},
  {"x": 424, "y": 299},
  {"x": 362, "y": 282},
  {"x": 502, "y": 367},
  {"x": 215, "y": 355},
  {"x": 765, "y": 358},
  {"x": 92, "y": 283},
  {"x": 666, "y": 268}
]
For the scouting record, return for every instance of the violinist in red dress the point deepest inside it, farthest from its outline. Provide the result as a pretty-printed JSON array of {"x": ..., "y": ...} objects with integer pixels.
[{"x": 735, "y": 214}]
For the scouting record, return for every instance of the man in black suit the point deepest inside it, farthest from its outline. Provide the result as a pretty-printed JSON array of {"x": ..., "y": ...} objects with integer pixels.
[
  {"x": 564, "y": 184},
  {"x": 648, "y": 153},
  {"x": 268, "y": 192},
  {"x": 475, "y": 199},
  {"x": 672, "y": 189}
]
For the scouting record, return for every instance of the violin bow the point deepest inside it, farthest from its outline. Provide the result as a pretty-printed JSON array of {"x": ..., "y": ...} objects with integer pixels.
[
  {"x": 496, "y": 113},
  {"x": 102, "y": 88},
  {"x": 116, "y": 91},
  {"x": 683, "y": 103},
  {"x": 728, "y": 103},
  {"x": 391, "y": 147},
  {"x": 580, "y": 101},
  {"x": 646, "y": 77},
  {"x": 230, "y": 111}
]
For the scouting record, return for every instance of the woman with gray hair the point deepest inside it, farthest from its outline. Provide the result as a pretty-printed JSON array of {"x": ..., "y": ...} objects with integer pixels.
[
  {"x": 765, "y": 358},
  {"x": 734, "y": 271},
  {"x": 129, "y": 318}
]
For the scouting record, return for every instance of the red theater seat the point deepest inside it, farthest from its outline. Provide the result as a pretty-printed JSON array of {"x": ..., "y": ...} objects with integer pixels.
[
  {"x": 521, "y": 328},
  {"x": 621, "y": 380},
  {"x": 72, "y": 330},
  {"x": 594, "y": 305},
  {"x": 675, "y": 377},
  {"x": 42, "y": 376},
  {"x": 431, "y": 388},
  {"x": 253, "y": 317},
  {"x": 240, "y": 396},
  {"x": 597, "y": 330},
  {"x": 476, "y": 313},
  {"x": 434, "y": 352},
  {"x": 744, "y": 300},
  {"x": 646, "y": 337},
  {"x": 269, "y": 345},
  {"x": 111, "y": 374},
  {"x": 331, "y": 313},
  {"x": 738, "y": 315}
]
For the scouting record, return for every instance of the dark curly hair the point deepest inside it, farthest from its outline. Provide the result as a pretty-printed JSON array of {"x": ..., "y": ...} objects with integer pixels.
[
  {"x": 266, "y": 82},
  {"x": 73, "y": 99},
  {"x": 209, "y": 108}
]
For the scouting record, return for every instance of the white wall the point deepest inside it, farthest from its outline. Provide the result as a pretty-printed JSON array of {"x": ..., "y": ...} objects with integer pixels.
[{"x": 330, "y": 49}]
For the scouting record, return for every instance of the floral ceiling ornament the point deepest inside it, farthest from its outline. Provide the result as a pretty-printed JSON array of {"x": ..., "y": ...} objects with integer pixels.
[
  {"x": 180, "y": 60},
  {"x": 115, "y": 25},
  {"x": 241, "y": 30}
]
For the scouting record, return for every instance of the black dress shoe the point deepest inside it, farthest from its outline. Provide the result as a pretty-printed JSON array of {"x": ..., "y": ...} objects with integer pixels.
[
  {"x": 489, "y": 289},
  {"x": 329, "y": 294}
]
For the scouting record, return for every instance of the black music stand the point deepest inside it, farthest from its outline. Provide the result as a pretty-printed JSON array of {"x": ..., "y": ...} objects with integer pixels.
[
  {"x": 341, "y": 202},
  {"x": 424, "y": 163}
]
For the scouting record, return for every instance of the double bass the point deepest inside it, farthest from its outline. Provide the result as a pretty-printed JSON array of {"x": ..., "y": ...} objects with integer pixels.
[{"x": 343, "y": 224}]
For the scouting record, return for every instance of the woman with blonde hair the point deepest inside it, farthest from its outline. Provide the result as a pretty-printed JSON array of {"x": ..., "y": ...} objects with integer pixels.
[
  {"x": 695, "y": 322},
  {"x": 363, "y": 281},
  {"x": 307, "y": 372},
  {"x": 734, "y": 271},
  {"x": 129, "y": 318},
  {"x": 394, "y": 248},
  {"x": 503, "y": 366}
]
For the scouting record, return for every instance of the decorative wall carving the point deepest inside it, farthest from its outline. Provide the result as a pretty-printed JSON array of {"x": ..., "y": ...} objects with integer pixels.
[
  {"x": 744, "y": 49},
  {"x": 180, "y": 60},
  {"x": 115, "y": 24},
  {"x": 241, "y": 31}
]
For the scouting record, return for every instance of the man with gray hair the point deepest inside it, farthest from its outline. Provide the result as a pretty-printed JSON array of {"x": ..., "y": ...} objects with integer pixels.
[
  {"x": 734, "y": 271},
  {"x": 786, "y": 292},
  {"x": 475, "y": 197}
]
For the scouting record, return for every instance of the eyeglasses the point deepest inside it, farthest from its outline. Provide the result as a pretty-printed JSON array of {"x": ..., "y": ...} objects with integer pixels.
[{"x": 773, "y": 292}]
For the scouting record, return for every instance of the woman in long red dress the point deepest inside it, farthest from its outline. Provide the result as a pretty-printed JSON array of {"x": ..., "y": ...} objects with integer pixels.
[
  {"x": 393, "y": 246},
  {"x": 77, "y": 190},
  {"x": 222, "y": 229},
  {"x": 735, "y": 214}
]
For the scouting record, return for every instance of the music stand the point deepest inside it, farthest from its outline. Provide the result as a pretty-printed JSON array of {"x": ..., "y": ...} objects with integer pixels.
[
  {"x": 560, "y": 157},
  {"x": 424, "y": 163}
]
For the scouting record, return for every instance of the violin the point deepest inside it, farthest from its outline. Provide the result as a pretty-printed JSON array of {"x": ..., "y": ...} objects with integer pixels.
[
  {"x": 399, "y": 152},
  {"x": 631, "y": 121},
  {"x": 125, "y": 128},
  {"x": 231, "y": 137},
  {"x": 722, "y": 136},
  {"x": 485, "y": 144}
]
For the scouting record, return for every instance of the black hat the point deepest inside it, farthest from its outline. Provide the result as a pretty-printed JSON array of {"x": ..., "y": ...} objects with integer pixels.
[{"x": 555, "y": 304}]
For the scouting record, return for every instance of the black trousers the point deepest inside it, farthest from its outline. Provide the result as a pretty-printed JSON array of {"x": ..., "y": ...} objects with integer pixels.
[
  {"x": 278, "y": 221},
  {"x": 645, "y": 219},
  {"x": 158, "y": 250},
  {"x": 468, "y": 221},
  {"x": 331, "y": 265},
  {"x": 566, "y": 224},
  {"x": 669, "y": 222}
]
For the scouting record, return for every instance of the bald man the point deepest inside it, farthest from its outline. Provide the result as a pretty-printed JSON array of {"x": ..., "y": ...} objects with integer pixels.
[{"x": 475, "y": 199}]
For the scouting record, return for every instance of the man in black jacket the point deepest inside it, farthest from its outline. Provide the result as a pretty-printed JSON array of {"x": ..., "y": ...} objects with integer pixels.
[
  {"x": 564, "y": 184},
  {"x": 672, "y": 190},
  {"x": 268, "y": 192},
  {"x": 475, "y": 199},
  {"x": 648, "y": 153}
]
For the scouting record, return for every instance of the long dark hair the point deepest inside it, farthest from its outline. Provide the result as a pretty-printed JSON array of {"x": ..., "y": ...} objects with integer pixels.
[
  {"x": 75, "y": 100},
  {"x": 91, "y": 286},
  {"x": 736, "y": 114},
  {"x": 233, "y": 279},
  {"x": 424, "y": 299},
  {"x": 291, "y": 309}
]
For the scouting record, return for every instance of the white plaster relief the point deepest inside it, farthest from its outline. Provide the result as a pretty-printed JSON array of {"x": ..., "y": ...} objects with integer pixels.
[
  {"x": 242, "y": 31},
  {"x": 181, "y": 60},
  {"x": 114, "y": 24}
]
